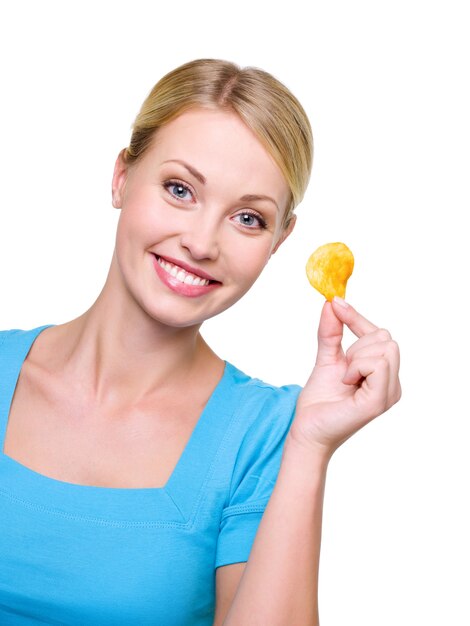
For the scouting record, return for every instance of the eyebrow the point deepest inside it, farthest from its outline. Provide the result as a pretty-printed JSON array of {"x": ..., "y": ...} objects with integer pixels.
[
  {"x": 249, "y": 197},
  {"x": 253, "y": 197},
  {"x": 192, "y": 170}
]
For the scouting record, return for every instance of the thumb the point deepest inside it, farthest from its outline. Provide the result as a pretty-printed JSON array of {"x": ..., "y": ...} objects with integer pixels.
[{"x": 330, "y": 334}]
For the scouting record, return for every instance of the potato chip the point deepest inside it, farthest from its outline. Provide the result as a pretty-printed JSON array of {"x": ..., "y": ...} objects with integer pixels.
[{"x": 329, "y": 268}]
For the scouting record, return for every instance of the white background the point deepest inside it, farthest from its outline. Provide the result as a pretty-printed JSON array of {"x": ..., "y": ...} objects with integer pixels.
[{"x": 386, "y": 88}]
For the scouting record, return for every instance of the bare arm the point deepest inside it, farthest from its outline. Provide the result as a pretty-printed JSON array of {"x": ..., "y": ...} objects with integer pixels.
[
  {"x": 345, "y": 391},
  {"x": 280, "y": 582}
]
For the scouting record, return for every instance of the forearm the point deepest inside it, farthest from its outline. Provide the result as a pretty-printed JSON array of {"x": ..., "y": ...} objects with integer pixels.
[{"x": 279, "y": 586}]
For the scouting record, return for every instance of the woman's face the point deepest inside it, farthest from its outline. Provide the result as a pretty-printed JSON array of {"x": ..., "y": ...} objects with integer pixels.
[{"x": 201, "y": 213}]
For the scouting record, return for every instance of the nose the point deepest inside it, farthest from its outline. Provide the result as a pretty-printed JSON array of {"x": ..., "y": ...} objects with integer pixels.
[{"x": 201, "y": 239}]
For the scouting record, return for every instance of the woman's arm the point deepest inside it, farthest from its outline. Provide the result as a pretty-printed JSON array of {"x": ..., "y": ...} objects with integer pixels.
[
  {"x": 280, "y": 581},
  {"x": 279, "y": 585}
]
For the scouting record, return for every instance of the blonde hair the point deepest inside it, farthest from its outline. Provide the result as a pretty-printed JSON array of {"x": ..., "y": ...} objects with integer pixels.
[{"x": 264, "y": 104}]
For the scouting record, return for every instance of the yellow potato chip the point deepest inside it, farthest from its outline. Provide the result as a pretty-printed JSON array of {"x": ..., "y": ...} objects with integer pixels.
[{"x": 329, "y": 268}]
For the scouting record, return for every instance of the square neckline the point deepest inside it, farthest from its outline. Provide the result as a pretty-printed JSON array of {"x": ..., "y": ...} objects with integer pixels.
[{"x": 191, "y": 467}]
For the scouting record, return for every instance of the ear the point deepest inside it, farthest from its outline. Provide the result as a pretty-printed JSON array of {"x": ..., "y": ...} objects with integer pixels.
[
  {"x": 119, "y": 180},
  {"x": 285, "y": 233}
]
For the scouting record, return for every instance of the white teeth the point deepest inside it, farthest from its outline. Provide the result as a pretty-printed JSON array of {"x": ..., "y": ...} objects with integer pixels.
[{"x": 182, "y": 275}]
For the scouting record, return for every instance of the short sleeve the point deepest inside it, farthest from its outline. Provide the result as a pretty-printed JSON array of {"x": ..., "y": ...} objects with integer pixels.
[{"x": 255, "y": 472}]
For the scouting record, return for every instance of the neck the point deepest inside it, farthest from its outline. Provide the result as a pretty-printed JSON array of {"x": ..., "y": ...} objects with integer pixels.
[{"x": 126, "y": 354}]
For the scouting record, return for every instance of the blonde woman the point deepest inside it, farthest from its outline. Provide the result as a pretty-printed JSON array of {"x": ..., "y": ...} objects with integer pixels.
[{"x": 143, "y": 479}]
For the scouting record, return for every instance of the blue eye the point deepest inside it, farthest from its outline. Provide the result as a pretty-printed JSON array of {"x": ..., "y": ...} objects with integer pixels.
[
  {"x": 251, "y": 220},
  {"x": 247, "y": 219},
  {"x": 177, "y": 190}
]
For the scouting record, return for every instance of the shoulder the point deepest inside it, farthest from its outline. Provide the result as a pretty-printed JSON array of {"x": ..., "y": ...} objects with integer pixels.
[
  {"x": 260, "y": 405},
  {"x": 20, "y": 333},
  {"x": 17, "y": 341},
  {"x": 12, "y": 335},
  {"x": 258, "y": 390},
  {"x": 6, "y": 334}
]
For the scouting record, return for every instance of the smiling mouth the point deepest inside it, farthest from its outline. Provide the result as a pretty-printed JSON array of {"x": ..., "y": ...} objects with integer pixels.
[{"x": 183, "y": 276}]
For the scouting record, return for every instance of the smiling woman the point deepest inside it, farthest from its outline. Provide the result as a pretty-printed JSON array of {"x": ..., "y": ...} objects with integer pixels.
[
  {"x": 199, "y": 209},
  {"x": 140, "y": 471}
]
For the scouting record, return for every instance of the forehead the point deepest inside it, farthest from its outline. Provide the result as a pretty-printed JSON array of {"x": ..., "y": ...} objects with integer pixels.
[{"x": 220, "y": 146}]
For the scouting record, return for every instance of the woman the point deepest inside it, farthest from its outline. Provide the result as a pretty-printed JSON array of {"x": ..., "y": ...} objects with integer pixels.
[{"x": 136, "y": 463}]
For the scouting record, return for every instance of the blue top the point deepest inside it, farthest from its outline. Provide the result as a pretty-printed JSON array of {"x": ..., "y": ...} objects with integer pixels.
[{"x": 75, "y": 554}]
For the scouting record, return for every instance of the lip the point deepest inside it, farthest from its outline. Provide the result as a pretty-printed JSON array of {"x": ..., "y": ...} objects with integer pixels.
[
  {"x": 182, "y": 289},
  {"x": 188, "y": 268}
]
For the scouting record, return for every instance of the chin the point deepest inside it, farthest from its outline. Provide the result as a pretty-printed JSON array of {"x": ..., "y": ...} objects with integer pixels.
[
  {"x": 177, "y": 317},
  {"x": 171, "y": 316}
]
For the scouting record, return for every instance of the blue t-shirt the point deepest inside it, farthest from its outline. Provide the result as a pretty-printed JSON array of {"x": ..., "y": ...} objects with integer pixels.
[{"x": 80, "y": 555}]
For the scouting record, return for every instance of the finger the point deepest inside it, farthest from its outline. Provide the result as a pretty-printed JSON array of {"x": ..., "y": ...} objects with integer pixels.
[
  {"x": 354, "y": 321},
  {"x": 388, "y": 350},
  {"x": 394, "y": 386},
  {"x": 360, "y": 369},
  {"x": 330, "y": 334},
  {"x": 378, "y": 336},
  {"x": 372, "y": 398}
]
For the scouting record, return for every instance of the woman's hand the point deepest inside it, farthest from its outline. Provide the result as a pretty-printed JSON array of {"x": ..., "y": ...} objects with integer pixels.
[{"x": 346, "y": 390}]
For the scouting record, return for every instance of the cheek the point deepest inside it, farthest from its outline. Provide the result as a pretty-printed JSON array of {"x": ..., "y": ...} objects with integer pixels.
[
  {"x": 142, "y": 222},
  {"x": 129, "y": 229},
  {"x": 250, "y": 260}
]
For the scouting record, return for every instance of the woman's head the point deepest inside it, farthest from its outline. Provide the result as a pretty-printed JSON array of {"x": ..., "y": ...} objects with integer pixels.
[
  {"x": 201, "y": 214},
  {"x": 264, "y": 104}
]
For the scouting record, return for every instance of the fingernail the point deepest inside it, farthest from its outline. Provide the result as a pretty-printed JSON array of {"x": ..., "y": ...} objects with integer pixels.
[{"x": 341, "y": 302}]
